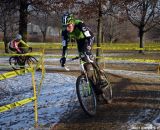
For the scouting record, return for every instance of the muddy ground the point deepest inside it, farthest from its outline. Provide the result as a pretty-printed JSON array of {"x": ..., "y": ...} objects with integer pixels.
[
  {"x": 135, "y": 105},
  {"x": 131, "y": 100}
]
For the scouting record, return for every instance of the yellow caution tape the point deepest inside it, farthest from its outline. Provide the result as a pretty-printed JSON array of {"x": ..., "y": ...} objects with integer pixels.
[
  {"x": 111, "y": 48},
  {"x": 35, "y": 95},
  {"x": 130, "y": 48},
  {"x": 5, "y": 65},
  {"x": 43, "y": 72},
  {"x": 159, "y": 69},
  {"x": 27, "y": 54},
  {"x": 16, "y": 104},
  {"x": 24, "y": 101},
  {"x": 115, "y": 58},
  {"x": 15, "y": 73},
  {"x": 130, "y": 59}
]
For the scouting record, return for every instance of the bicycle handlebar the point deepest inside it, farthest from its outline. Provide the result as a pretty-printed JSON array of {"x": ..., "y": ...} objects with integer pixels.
[
  {"x": 75, "y": 58},
  {"x": 72, "y": 59},
  {"x": 30, "y": 49}
]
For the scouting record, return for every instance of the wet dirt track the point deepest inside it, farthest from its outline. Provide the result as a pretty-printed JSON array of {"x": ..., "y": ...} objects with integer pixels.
[{"x": 135, "y": 105}]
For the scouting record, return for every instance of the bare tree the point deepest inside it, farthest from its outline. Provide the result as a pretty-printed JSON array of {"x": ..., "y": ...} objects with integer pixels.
[
  {"x": 8, "y": 14},
  {"x": 27, "y": 6},
  {"x": 43, "y": 20},
  {"x": 111, "y": 28},
  {"x": 143, "y": 14},
  {"x": 96, "y": 9}
]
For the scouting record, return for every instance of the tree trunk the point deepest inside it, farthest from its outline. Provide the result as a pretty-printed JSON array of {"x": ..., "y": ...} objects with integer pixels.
[
  {"x": 44, "y": 36},
  {"x": 6, "y": 44},
  {"x": 60, "y": 36},
  {"x": 5, "y": 39},
  {"x": 141, "y": 36},
  {"x": 99, "y": 33},
  {"x": 102, "y": 39},
  {"x": 23, "y": 19}
]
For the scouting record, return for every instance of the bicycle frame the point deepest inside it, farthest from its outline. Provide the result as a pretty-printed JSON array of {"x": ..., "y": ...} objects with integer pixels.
[
  {"x": 83, "y": 71},
  {"x": 82, "y": 68},
  {"x": 90, "y": 81},
  {"x": 21, "y": 61}
]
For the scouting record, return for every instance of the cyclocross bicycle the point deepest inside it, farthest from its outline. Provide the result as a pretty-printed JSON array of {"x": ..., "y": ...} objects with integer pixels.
[
  {"x": 87, "y": 88},
  {"x": 21, "y": 62}
]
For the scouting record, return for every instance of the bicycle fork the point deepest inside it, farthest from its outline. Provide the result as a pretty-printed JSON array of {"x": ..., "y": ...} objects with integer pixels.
[{"x": 86, "y": 75}]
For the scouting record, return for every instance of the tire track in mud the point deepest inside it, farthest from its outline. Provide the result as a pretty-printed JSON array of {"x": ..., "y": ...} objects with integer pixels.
[{"x": 136, "y": 102}]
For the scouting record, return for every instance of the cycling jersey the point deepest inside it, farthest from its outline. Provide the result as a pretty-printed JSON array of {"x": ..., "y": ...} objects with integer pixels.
[
  {"x": 18, "y": 46},
  {"x": 81, "y": 34},
  {"x": 84, "y": 38}
]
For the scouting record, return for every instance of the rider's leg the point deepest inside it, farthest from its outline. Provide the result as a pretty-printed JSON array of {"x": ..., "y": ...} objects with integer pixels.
[
  {"x": 87, "y": 56},
  {"x": 13, "y": 49},
  {"x": 23, "y": 48},
  {"x": 102, "y": 79}
]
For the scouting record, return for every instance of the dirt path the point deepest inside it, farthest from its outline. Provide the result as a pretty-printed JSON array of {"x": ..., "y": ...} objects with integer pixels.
[
  {"x": 136, "y": 102},
  {"x": 136, "y": 105}
]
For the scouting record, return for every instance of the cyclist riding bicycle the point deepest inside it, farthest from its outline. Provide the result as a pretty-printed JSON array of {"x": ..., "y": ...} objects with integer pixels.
[
  {"x": 76, "y": 29},
  {"x": 18, "y": 45}
]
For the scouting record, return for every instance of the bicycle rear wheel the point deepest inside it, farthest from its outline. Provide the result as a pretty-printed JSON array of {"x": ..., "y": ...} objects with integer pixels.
[
  {"x": 13, "y": 61},
  {"x": 105, "y": 87},
  {"x": 86, "y": 95},
  {"x": 107, "y": 90}
]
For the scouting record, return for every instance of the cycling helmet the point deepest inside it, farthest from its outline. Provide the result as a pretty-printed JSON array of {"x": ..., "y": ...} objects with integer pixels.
[
  {"x": 67, "y": 19},
  {"x": 18, "y": 37}
]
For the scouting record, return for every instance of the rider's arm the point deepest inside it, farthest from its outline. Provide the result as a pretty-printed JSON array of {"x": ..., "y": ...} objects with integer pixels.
[
  {"x": 86, "y": 32},
  {"x": 64, "y": 42},
  {"x": 24, "y": 43},
  {"x": 15, "y": 44}
]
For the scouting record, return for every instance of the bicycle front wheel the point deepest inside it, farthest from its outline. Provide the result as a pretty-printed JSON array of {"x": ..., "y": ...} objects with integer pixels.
[
  {"x": 86, "y": 95},
  {"x": 32, "y": 61}
]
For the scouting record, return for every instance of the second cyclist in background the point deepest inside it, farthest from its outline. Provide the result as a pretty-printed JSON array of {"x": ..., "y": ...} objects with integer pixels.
[{"x": 18, "y": 45}]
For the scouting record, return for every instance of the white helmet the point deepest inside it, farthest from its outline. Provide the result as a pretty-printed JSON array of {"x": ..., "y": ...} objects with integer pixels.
[{"x": 18, "y": 37}]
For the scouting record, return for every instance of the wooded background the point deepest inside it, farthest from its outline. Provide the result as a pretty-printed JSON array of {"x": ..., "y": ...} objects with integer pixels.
[{"x": 110, "y": 20}]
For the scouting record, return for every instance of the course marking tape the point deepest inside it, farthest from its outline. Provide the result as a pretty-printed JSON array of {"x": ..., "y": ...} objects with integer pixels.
[
  {"x": 132, "y": 60},
  {"x": 109, "y": 48},
  {"x": 129, "y": 48},
  {"x": 107, "y": 58},
  {"x": 27, "y": 54},
  {"x": 43, "y": 73},
  {"x": 114, "y": 58},
  {"x": 105, "y": 48},
  {"x": 16, "y": 104},
  {"x": 15, "y": 73}
]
